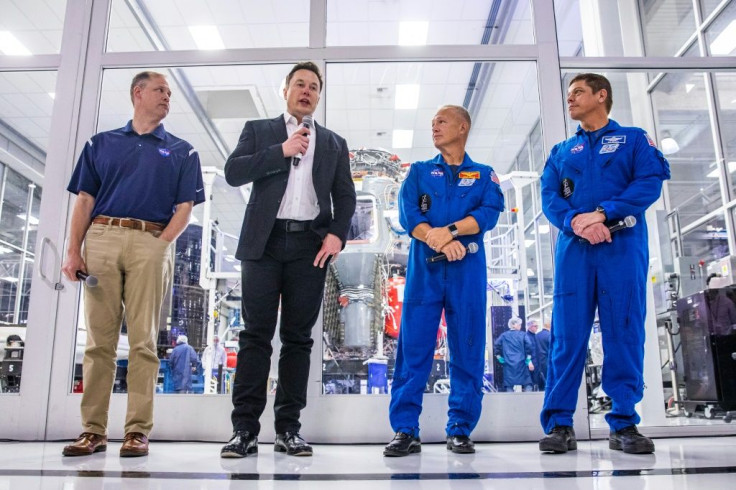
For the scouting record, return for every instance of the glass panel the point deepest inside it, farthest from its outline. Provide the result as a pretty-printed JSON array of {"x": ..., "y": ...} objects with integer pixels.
[
  {"x": 420, "y": 22},
  {"x": 667, "y": 25},
  {"x": 720, "y": 38},
  {"x": 208, "y": 110},
  {"x": 726, "y": 104},
  {"x": 29, "y": 27},
  {"x": 546, "y": 262},
  {"x": 707, "y": 242},
  {"x": 708, "y": 6},
  {"x": 611, "y": 28},
  {"x": 150, "y": 25},
  {"x": 685, "y": 136},
  {"x": 532, "y": 269},
  {"x": 26, "y": 102},
  {"x": 364, "y": 292}
]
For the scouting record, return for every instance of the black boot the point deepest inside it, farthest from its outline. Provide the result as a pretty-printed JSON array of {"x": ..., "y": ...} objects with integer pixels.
[
  {"x": 403, "y": 444},
  {"x": 629, "y": 440},
  {"x": 560, "y": 440},
  {"x": 460, "y": 444}
]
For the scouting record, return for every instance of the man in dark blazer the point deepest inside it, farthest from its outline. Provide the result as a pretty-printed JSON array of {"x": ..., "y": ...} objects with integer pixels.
[{"x": 297, "y": 218}]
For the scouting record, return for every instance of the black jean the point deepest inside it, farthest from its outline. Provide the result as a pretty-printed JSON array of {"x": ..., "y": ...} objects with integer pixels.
[{"x": 284, "y": 272}]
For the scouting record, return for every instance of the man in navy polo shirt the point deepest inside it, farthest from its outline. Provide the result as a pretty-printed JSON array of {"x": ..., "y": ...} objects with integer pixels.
[{"x": 135, "y": 187}]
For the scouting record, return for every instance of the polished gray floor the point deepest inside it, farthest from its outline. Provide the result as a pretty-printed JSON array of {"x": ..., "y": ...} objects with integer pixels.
[{"x": 686, "y": 463}]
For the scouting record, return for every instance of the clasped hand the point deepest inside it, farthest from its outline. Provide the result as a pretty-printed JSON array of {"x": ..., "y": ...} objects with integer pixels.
[{"x": 590, "y": 227}]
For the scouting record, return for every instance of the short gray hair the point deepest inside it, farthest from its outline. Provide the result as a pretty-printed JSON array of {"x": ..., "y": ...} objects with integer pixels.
[{"x": 515, "y": 321}]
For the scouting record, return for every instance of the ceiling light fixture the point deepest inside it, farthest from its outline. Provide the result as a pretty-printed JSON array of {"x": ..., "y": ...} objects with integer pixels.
[
  {"x": 669, "y": 145},
  {"x": 31, "y": 219},
  {"x": 725, "y": 42},
  {"x": 402, "y": 138},
  {"x": 413, "y": 33},
  {"x": 714, "y": 173},
  {"x": 407, "y": 96},
  {"x": 10, "y": 45},
  {"x": 206, "y": 37}
]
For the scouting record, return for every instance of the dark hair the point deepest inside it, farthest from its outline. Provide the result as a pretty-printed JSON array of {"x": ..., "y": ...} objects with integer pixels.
[
  {"x": 596, "y": 83},
  {"x": 305, "y": 65},
  {"x": 140, "y": 80}
]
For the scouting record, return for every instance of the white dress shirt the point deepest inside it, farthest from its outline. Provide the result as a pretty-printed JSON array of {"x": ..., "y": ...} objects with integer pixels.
[{"x": 300, "y": 199}]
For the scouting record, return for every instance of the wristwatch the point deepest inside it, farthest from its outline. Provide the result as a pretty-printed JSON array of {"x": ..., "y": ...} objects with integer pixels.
[
  {"x": 453, "y": 230},
  {"x": 601, "y": 210}
]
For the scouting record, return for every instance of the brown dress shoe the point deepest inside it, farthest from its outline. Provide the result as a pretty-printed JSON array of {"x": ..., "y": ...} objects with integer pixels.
[
  {"x": 87, "y": 443},
  {"x": 134, "y": 444}
]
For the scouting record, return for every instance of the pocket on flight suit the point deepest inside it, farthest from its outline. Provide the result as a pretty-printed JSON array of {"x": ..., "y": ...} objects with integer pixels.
[
  {"x": 565, "y": 308},
  {"x": 618, "y": 316}
]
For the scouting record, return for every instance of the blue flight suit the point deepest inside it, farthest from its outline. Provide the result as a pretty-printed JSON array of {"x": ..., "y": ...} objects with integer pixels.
[
  {"x": 515, "y": 346},
  {"x": 432, "y": 193},
  {"x": 620, "y": 169},
  {"x": 542, "y": 352},
  {"x": 181, "y": 360}
]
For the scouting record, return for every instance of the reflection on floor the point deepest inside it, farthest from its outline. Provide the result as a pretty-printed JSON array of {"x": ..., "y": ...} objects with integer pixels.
[{"x": 678, "y": 463}]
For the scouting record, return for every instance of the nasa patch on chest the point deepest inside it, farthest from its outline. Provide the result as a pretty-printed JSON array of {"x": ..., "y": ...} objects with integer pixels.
[
  {"x": 436, "y": 173},
  {"x": 577, "y": 148},
  {"x": 608, "y": 148},
  {"x": 466, "y": 182}
]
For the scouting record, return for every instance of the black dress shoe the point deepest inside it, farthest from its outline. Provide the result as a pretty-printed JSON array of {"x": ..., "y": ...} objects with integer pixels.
[
  {"x": 241, "y": 445},
  {"x": 460, "y": 444},
  {"x": 292, "y": 444},
  {"x": 403, "y": 444},
  {"x": 560, "y": 440},
  {"x": 629, "y": 440}
]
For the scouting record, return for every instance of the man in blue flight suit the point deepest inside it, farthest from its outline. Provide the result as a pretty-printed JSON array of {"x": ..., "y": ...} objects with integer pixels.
[
  {"x": 605, "y": 172},
  {"x": 515, "y": 351},
  {"x": 446, "y": 203},
  {"x": 181, "y": 361},
  {"x": 542, "y": 353}
]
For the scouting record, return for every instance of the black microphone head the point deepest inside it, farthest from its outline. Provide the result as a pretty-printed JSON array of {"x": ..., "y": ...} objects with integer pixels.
[
  {"x": 629, "y": 221},
  {"x": 472, "y": 247},
  {"x": 308, "y": 121}
]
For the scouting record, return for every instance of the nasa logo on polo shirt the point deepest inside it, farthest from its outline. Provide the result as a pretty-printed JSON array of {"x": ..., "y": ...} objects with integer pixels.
[
  {"x": 436, "y": 173},
  {"x": 577, "y": 148},
  {"x": 164, "y": 152}
]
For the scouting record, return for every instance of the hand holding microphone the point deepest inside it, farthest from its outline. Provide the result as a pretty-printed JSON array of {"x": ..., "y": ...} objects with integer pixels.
[
  {"x": 613, "y": 227},
  {"x": 471, "y": 249},
  {"x": 307, "y": 122},
  {"x": 89, "y": 281}
]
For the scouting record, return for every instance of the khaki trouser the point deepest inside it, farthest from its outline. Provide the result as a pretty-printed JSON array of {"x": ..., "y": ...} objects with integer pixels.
[{"x": 134, "y": 270}]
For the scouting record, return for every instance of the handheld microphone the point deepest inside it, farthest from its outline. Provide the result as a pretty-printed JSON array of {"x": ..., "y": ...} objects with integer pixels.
[
  {"x": 627, "y": 222},
  {"x": 90, "y": 281},
  {"x": 471, "y": 249},
  {"x": 306, "y": 123}
]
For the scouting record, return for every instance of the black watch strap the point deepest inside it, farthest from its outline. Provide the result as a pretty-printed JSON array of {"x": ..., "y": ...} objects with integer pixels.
[{"x": 453, "y": 230}]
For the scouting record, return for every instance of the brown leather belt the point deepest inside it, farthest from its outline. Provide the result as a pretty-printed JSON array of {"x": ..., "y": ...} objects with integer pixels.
[{"x": 136, "y": 224}]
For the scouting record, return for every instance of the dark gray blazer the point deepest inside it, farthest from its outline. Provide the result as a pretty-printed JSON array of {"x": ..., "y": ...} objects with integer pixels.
[{"x": 258, "y": 158}]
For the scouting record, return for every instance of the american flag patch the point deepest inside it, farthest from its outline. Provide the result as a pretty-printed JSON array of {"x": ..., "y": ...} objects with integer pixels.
[
  {"x": 650, "y": 140},
  {"x": 494, "y": 177}
]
